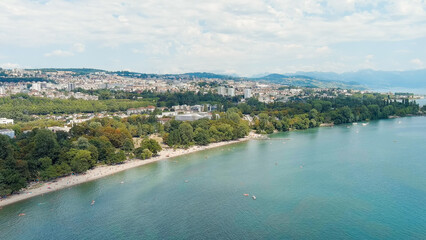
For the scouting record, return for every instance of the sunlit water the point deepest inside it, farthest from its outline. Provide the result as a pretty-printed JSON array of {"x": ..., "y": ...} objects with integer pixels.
[{"x": 345, "y": 182}]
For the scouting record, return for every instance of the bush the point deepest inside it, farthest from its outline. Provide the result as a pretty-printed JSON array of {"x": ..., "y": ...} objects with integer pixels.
[{"x": 145, "y": 154}]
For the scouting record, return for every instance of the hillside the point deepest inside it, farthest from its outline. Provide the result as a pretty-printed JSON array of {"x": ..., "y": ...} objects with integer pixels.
[
  {"x": 307, "y": 81},
  {"x": 376, "y": 79}
]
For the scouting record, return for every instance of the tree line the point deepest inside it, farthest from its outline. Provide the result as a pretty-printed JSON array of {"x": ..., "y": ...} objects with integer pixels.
[
  {"x": 20, "y": 106},
  {"x": 41, "y": 154},
  {"x": 315, "y": 111}
]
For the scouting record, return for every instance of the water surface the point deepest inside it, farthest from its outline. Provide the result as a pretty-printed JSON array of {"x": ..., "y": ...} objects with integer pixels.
[{"x": 345, "y": 182}]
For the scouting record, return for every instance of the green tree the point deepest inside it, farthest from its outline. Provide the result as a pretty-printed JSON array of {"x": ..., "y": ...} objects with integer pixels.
[
  {"x": 186, "y": 134},
  {"x": 44, "y": 163},
  {"x": 105, "y": 149},
  {"x": 201, "y": 136},
  {"x": 152, "y": 145},
  {"x": 128, "y": 145},
  {"x": 173, "y": 138},
  {"x": 81, "y": 160},
  {"x": 45, "y": 145},
  {"x": 117, "y": 158},
  {"x": 83, "y": 143}
]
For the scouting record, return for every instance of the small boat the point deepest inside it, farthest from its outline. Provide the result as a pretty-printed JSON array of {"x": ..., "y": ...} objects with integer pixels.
[
  {"x": 254, "y": 197},
  {"x": 186, "y": 181},
  {"x": 246, "y": 194},
  {"x": 93, "y": 203},
  {"x": 364, "y": 124},
  {"x": 21, "y": 214},
  {"x": 122, "y": 182}
]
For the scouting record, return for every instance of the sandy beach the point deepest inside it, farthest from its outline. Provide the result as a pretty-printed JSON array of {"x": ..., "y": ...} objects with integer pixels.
[{"x": 36, "y": 189}]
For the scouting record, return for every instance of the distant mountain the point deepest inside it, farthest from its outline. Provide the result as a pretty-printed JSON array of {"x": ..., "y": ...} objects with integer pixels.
[
  {"x": 357, "y": 80},
  {"x": 376, "y": 79},
  {"x": 75, "y": 70},
  {"x": 210, "y": 75},
  {"x": 307, "y": 81}
]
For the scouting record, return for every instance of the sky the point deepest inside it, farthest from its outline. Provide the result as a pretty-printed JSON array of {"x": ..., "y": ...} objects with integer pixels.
[{"x": 221, "y": 36}]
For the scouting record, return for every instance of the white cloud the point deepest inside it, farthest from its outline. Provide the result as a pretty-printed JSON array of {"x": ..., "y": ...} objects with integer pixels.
[
  {"x": 213, "y": 34},
  {"x": 323, "y": 50},
  {"x": 59, "y": 53},
  {"x": 418, "y": 63},
  {"x": 79, "y": 47},
  {"x": 369, "y": 57},
  {"x": 9, "y": 65}
]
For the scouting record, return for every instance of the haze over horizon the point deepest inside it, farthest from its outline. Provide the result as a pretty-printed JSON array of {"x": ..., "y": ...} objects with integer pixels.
[{"x": 243, "y": 38}]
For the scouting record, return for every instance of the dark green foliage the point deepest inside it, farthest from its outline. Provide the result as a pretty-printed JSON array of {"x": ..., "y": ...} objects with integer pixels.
[
  {"x": 339, "y": 110},
  {"x": 11, "y": 177},
  {"x": 45, "y": 144},
  {"x": 117, "y": 158},
  {"x": 41, "y": 154},
  {"x": 81, "y": 160},
  {"x": 104, "y": 147},
  {"x": 152, "y": 145},
  {"x": 201, "y": 136},
  {"x": 228, "y": 127},
  {"x": 23, "y": 104},
  {"x": 143, "y": 153},
  {"x": 186, "y": 133},
  {"x": 128, "y": 145}
]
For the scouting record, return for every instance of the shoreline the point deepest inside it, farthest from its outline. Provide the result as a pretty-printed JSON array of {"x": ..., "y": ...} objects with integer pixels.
[{"x": 37, "y": 189}]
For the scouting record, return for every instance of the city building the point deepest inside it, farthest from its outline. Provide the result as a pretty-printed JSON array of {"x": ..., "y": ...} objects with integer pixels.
[
  {"x": 71, "y": 87},
  {"x": 36, "y": 86},
  {"x": 6, "y": 121},
  {"x": 59, "y": 129},
  {"x": 221, "y": 90},
  {"x": 192, "y": 117},
  {"x": 247, "y": 93},
  {"x": 231, "y": 92}
]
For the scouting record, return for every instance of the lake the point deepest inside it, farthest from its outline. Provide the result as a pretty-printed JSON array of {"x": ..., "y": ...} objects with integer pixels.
[{"x": 342, "y": 182}]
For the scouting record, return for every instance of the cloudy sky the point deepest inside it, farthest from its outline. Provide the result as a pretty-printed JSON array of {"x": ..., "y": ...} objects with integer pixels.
[{"x": 223, "y": 36}]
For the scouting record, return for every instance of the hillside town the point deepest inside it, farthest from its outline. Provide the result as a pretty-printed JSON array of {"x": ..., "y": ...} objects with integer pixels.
[
  {"x": 76, "y": 84},
  {"x": 65, "y": 84}
]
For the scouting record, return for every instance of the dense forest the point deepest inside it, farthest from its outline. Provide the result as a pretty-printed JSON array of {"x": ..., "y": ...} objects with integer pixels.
[
  {"x": 314, "y": 111},
  {"x": 20, "y": 105},
  {"x": 23, "y": 79},
  {"x": 42, "y": 154},
  {"x": 167, "y": 99}
]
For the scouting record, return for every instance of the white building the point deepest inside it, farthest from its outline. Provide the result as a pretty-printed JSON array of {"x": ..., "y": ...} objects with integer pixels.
[
  {"x": 231, "y": 92},
  {"x": 6, "y": 121},
  {"x": 57, "y": 129},
  {"x": 247, "y": 93},
  {"x": 2, "y": 91},
  {"x": 36, "y": 86},
  {"x": 221, "y": 90},
  {"x": 192, "y": 116}
]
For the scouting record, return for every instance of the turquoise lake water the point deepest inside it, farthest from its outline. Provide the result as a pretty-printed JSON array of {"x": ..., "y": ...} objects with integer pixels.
[{"x": 344, "y": 182}]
